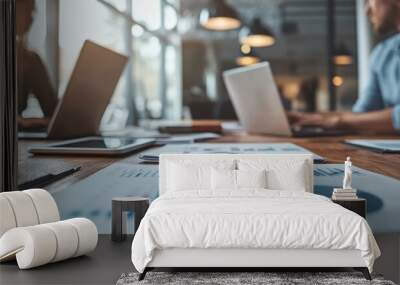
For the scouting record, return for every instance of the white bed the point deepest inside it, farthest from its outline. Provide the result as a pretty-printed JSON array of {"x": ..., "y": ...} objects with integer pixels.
[{"x": 207, "y": 226}]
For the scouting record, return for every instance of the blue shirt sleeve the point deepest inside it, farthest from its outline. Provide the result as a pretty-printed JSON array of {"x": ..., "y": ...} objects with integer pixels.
[
  {"x": 371, "y": 96},
  {"x": 396, "y": 117}
]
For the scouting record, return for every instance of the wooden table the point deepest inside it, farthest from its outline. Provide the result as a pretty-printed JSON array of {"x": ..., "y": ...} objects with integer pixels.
[{"x": 331, "y": 148}]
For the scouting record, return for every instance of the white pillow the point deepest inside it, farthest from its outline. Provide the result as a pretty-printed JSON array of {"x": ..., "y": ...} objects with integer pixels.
[
  {"x": 183, "y": 178},
  {"x": 287, "y": 174},
  {"x": 225, "y": 179},
  {"x": 187, "y": 176},
  {"x": 251, "y": 179}
]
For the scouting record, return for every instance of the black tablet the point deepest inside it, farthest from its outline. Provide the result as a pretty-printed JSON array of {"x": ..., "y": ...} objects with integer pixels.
[{"x": 94, "y": 145}]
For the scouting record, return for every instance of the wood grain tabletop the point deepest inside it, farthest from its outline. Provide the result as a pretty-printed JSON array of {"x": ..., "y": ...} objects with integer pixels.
[{"x": 331, "y": 148}]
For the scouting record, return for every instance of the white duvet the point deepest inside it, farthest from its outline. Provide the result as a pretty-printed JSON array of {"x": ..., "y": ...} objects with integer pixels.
[{"x": 250, "y": 219}]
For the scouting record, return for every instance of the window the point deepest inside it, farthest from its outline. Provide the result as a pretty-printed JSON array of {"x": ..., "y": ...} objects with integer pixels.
[{"x": 142, "y": 30}]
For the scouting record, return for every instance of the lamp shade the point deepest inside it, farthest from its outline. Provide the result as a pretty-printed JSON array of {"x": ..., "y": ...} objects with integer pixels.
[
  {"x": 247, "y": 56},
  {"x": 219, "y": 16},
  {"x": 257, "y": 34},
  {"x": 342, "y": 56}
]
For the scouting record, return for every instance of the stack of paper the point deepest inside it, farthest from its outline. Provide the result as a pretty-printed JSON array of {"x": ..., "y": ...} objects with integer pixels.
[
  {"x": 210, "y": 148},
  {"x": 385, "y": 146},
  {"x": 344, "y": 194}
]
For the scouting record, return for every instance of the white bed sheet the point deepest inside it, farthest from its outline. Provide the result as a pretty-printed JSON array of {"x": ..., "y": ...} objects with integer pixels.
[{"x": 250, "y": 218}]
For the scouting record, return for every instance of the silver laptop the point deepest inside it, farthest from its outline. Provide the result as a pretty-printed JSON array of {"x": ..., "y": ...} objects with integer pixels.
[
  {"x": 92, "y": 83},
  {"x": 257, "y": 103}
]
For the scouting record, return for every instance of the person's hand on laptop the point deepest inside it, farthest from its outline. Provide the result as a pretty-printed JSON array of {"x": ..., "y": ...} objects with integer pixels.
[
  {"x": 323, "y": 120},
  {"x": 374, "y": 122}
]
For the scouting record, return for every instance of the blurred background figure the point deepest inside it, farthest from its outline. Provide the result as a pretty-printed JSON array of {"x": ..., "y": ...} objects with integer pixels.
[
  {"x": 32, "y": 77},
  {"x": 318, "y": 52},
  {"x": 377, "y": 110}
]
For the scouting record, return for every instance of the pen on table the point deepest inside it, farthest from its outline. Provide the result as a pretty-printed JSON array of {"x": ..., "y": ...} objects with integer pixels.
[{"x": 48, "y": 178}]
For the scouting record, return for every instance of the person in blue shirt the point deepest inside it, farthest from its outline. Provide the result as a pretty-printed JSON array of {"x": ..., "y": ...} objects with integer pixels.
[{"x": 377, "y": 110}]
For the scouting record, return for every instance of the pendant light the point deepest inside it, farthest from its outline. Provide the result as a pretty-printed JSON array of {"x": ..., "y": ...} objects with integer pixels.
[
  {"x": 257, "y": 34},
  {"x": 342, "y": 56},
  {"x": 219, "y": 16},
  {"x": 337, "y": 80},
  {"x": 247, "y": 56}
]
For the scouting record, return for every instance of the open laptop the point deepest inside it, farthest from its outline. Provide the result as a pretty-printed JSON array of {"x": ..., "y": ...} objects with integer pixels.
[
  {"x": 257, "y": 103},
  {"x": 89, "y": 90}
]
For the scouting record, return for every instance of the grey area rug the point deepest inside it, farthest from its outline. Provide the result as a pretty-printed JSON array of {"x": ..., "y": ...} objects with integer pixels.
[{"x": 269, "y": 278}]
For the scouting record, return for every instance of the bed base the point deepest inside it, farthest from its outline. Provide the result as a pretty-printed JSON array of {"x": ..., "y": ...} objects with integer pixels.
[
  {"x": 363, "y": 270},
  {"x": 241, "y": 259}
]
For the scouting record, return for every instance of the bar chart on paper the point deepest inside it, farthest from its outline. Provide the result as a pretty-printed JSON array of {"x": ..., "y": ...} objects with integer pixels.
[
  {"x": 236, "y": 148},
  {"x": 124, "y": 179}
]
